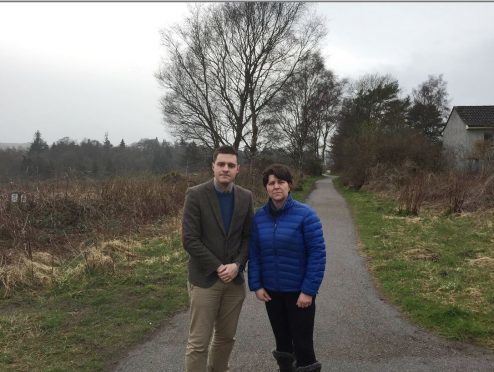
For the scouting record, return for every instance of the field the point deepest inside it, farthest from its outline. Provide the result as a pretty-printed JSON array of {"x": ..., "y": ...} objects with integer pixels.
[
  {"x": 88, "y": 290},
  {"x": 79, "y": 303}
]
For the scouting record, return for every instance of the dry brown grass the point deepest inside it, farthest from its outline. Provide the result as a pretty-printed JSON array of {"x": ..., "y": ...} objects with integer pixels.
[
  {"x": 447, "y": 192},
  {"x": 422, "y": 254},
  {"x": 66, "y": 229},
  {"x": 108, "y": 207},
  {"x": 44, "y": 269},
  {"x": 412, "y": 193},
  {"x": 27, "y": 272},
  {"x": 487, "y": 262},
  {"x": 62, "y": 222}
]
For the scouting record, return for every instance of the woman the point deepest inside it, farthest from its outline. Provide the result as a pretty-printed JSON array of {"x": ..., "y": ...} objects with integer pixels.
[{"x": 287, "y": 258}]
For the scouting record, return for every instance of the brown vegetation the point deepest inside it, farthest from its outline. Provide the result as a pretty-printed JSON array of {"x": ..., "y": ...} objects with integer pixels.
[
  {"x": 448, "y": 191},
  {"x": 90, "y": 222},
  {"x": 56, "y": 221},
  {"x": 53, "y": 213},
  {"x": 413, "y": 192}
]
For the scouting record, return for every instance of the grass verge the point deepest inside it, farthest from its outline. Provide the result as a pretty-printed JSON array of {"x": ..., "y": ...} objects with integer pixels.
[
  {"x": 308, "y": 185},
  {"x": 439, "y": 269},
  {"x": 83, "y": 322}
]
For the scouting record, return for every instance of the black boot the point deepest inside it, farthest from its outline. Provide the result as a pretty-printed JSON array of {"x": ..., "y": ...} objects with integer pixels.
[
  {"x": 315, "y": 367},
  {"x": 286, "y": 361}
]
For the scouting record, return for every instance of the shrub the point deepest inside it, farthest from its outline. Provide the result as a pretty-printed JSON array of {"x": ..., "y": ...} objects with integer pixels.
[
  {"x": 360, "y": 153},
  {"x": 412, "y": 194},
  {"x": 55, "y": 213},
  {"x": 458, "y": 190}
]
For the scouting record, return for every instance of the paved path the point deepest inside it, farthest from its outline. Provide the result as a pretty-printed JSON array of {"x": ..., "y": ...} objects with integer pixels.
[{"x": 355, "y": 329}]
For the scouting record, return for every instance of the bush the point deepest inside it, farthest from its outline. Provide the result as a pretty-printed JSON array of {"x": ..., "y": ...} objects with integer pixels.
[
  {"x": 55, "y": 213},
  {"x": 313, "y": 167},
  {"x": 458, "y": 189},
  {"x": 412, "y": 194},
  {"x": 359, "y": 154}
]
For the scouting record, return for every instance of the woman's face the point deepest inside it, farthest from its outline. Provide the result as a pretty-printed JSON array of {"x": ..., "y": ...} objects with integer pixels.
[{"x": 277, "y": 189}]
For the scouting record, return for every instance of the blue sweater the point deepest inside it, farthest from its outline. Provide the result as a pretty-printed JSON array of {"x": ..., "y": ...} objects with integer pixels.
[
  {"x": 287, "y": 251},
  {"x": 226, "y": 202}
]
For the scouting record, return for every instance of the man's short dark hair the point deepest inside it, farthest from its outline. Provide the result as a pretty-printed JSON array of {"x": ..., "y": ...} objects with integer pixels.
[
  {"x": 225, "y": 149},
  {"x": 280, "y": 171}
]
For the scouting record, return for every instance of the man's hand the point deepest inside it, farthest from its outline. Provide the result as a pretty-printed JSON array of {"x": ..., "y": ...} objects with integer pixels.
[
  {"x": 227, "y": 272},
  {"x": 304, "y": 300},
  {"x": 262, "y": 295}
]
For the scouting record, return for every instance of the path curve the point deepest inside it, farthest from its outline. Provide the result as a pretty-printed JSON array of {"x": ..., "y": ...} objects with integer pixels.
[{"x": 355, "y": 329}]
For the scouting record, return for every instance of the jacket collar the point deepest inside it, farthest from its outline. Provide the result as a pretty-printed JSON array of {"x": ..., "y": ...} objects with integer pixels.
[
  {"x": 271, "y": 209},
  {"x": 219, "y": 189}
]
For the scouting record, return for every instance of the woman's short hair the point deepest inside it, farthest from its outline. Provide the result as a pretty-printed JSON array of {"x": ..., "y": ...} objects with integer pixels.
[{"x": 280, "y": 171}]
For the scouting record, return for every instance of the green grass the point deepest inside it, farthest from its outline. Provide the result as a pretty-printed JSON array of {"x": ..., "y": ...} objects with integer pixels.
[
  {"x": 439, "y": 269},
  {"x": 83, "y": 324},
  {"x": 307, "y": 186}
]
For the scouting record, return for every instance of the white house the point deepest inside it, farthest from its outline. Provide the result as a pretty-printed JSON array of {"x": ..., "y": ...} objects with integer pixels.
[{"x": 467, "y": 128}]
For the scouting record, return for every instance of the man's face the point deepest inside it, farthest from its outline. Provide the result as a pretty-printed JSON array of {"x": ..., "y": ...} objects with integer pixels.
[{"x": 225, "y": 168}]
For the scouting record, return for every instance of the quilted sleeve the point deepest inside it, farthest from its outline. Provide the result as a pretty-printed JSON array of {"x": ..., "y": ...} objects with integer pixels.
[
  {"x": 316, "y": 254},
  {"x": 254, "y": 268}
]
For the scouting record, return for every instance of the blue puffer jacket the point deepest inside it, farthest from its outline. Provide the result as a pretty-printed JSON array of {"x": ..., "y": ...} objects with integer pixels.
[{"x": 287, "y": 251}]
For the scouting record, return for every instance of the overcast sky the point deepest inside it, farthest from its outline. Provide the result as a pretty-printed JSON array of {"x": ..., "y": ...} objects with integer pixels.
[{"x": 79, "y": 70}]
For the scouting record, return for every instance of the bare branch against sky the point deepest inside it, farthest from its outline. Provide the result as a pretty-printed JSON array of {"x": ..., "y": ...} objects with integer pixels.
[{"x": 83, "y": 69}]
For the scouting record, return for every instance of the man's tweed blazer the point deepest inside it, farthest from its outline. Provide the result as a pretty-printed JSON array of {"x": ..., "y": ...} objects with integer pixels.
[{"x": 204, "y": 237}]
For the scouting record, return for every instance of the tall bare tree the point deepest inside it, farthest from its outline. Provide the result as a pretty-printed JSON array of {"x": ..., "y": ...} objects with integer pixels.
[
  {"x": 190, "y": 105},
  {"x": 305, "y": 110},
  {"x": 227, "y": 62}
]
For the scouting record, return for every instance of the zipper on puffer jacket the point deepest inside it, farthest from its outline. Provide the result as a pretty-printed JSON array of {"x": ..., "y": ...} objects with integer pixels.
[{"x": 277, "y": 276}]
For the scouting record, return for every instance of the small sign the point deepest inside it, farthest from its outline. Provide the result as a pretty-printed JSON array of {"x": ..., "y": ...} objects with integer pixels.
[
  {"x": 14, "y": 197},
  {"x": 18, "y": 197}
]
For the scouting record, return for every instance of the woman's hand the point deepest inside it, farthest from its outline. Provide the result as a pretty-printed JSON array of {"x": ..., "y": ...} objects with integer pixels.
[
  {"x": 262, "y": 295},
  {"x": 304, "y": 300}
]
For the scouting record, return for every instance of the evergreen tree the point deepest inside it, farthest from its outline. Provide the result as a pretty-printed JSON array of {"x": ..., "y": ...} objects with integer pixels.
[
  {"x": 36, "y": 162},
  {"x": 107, "y": 144},
  {"x": 38, "y": 145}
]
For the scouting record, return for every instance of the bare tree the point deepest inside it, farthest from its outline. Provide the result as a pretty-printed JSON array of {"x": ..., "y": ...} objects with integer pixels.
[
  {"x": 305, "y": 111},
  {"x": 227, "y": 62},
  {"x": 190, "y": 103},
  {"x": 325, "y": 107}
]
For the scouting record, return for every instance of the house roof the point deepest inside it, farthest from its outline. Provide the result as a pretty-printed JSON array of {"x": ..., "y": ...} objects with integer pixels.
[{"x": 476, "y": 116}]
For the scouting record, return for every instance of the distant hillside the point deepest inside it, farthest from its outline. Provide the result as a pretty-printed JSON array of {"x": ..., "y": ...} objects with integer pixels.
[{"x": 20, "y": 146}]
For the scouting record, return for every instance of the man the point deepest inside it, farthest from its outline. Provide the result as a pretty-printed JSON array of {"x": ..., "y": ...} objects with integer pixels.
[{"x": 216, "y": 223}]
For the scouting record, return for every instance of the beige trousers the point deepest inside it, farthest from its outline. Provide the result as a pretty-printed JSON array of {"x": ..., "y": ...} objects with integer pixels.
[{"x": 214, "y": 314}]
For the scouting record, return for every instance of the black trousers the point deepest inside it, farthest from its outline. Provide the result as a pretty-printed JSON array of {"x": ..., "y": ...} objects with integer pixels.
[{"x": 293, "y": 327}]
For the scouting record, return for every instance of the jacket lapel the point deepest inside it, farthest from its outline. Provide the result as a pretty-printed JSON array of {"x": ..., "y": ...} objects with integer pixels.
[
  {"x": 236, "y": 210},
  {"x": 215, "y": 205}
]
